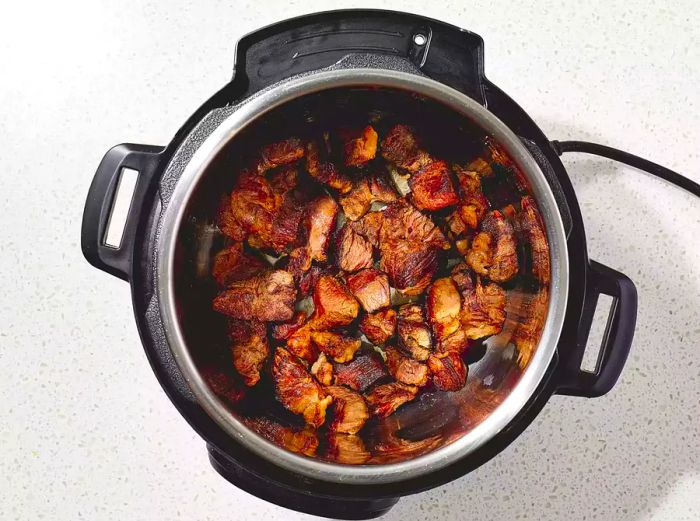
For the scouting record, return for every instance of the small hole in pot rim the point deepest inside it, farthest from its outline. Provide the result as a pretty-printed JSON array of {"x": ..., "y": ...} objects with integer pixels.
[{"x": 420, "y": 39}]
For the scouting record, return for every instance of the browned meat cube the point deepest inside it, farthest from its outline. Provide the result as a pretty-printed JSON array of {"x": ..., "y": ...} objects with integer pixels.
[
  {"x": 361, "y": 373},
  {"x": 325, "y": 172},
  {"x": 297, "y": 390},
  {"x": 532, "y": 228},
  {"x": 385, "y": 399},
  {"x": 340, "y": 348},
  {"x": 359, "y": 146},
  {"x": 366, "y": 191},
  {"x": 403, "y": 223},
  {"x": 413, "y": 332},
  {"x": 320, "y": 222},
  {"x": 350, "y": 410},
  {"x": 302, "y": 441},
  {"x": 483, "y": 306},
  {"x": 458, "y": 342},
  {"x": 442, "y": 305},
  {"x": 269, "y": 296},
  {"x": 283, "y": 330},
  {"x": 401, "y": 147},
  {"x": 249, "y": 349},
  {"x": 348, "y": 449},
  {"x": 280, "y": 153},
  {"x": 431, "y": 187},
  {"x": 286, "y": 222},
  {"x": 380, "y": 326},
  {"x": 222, "y": 384},
  {"x": 308, "y": 280},
  {"x": 284, "y": 179},
  {"x": 473, "y": 205},
  {"x": 298, "y": 263},
  {"x": 448, "y": 370},
  {"x": 492, "y": 252},
  {"x": 334, "y": 304},
  {"x": 226, "y": 222},
  {"x": 322, "y": 369},
  {"x": 481, "y": 167},
  {"x": 233, "y": 264},
  {"x": 405, "y": 369},
  {"x": 253, "y": 205},
  {"x": 369, "y": 227},
  {"x": 299, "y": 343},
  {"x": 353, "y": 251},
  {"x": 527, "y": 333},
  {"x": 371, "y": 289}
]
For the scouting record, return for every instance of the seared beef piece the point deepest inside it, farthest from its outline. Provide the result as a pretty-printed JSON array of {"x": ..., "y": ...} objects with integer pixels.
[
  {"x": 380, "y": 326},
  {"x": 404, "y": 368},
  {"x": 297, "y": 390},
  {"x": 348, "y": 449},
  {"x": 400, "y": 146},
  {"x": 320, "y": 222},
  {"x": 431, "y": 187},
  {"x": 353, "y": 251},
  {"x": 280, "y": 153},
  {"x": 286, "y": 222},
  {"x": 385, "y": 399},
  {"x": 269, "y": 296},
  {"x": 371, "y": 289},
  {"x": 442, "y": 305},
  {"x": 369, "y": 227},
  {"x": 283, "y": 330},
  {"x": 249, "y": 349},
  {"x": 340, "y": 348},
  {"x": 527, "y": 333},
  {"x": 308, "y": 281},
  {"x": 483, "y": 306},
  {"x": 448, "y": 370},
  {"x": 233, "y": 264},
  {"x": 492, "y": 253},
  {"x": 222, "y": 384},
  {"x": 299, "y": 344},
  {"x": 226, "y": 222},
  {"x": 322, "y": 369},
  {"x": 532, "y": 228},
  {"x": 325, "y": 172},
  {"x": 302, "y": 441},
  {"x": 361, "y": 373},
  {"x": 403, "y": 223},
  {"x": 359, "y": 145},
  {"x": 284, "y": 179},
  {"x": 298, "y": 263},
  {"x": 253, "y": 206},
  {"x": 472, "y": 203},
  {"x": 458, "y": 342},
  {"x": 350, "y": 410},
  {"x": 334, "y": 304},
  {"x": 367, "y": 190},
  {"x": 413, "y": 332}
]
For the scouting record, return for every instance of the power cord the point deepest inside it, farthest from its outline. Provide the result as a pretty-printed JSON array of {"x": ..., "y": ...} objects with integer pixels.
[{"x": 562, "y": 147}]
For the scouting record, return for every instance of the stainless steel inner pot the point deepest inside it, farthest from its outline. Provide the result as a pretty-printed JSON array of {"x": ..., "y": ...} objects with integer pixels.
[{"x": 496, "y": 391}]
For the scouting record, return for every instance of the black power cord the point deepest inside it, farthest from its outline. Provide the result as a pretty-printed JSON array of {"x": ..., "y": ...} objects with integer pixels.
[{"x": 562, "y": 147}]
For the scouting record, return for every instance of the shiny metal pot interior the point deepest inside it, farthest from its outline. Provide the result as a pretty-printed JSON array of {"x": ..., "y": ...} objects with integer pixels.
[{"x": 497, "y": 389}]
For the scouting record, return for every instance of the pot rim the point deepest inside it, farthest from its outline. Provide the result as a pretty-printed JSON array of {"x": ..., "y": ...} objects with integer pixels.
[{"x": 257, "y": 106}]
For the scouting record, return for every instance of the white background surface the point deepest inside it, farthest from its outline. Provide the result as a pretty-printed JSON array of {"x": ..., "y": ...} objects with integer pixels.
[{"x": 85, "y": 430}]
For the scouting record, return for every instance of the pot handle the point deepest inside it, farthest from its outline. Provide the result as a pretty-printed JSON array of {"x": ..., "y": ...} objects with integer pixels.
[
  {"x": 124, "y": 168},
  {"x": 617, "y": 339}
]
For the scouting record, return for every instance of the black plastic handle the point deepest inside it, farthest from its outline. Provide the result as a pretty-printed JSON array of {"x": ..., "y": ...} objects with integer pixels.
[
  {"x": 98, "y": 206},
  {"x": 617, "y": 338}
]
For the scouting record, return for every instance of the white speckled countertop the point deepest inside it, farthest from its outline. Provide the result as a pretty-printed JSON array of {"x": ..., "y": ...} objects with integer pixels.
[{"x": 85, "y": 430}]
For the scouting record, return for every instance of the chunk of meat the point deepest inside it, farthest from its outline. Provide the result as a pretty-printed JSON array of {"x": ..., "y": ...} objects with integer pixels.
[
  {"x": 324, "y": 171},
  {"x": 320, "y": 222},
  {"x": 458, "y": 342},
  {"x": 366, "y": 191},
  {"x": 448, "y": 370},
  {"x": 253, "y": 205},
  {"x": 346, "y": 448},
  {"x": 297, "y": 390},
  {"x": 405, "y": 369},
  {"x": 527, "y": 334},
  {"x": 233, "y": 264},
  {"x": 532, "y": 228},
  {"x": 365, "y": 370},
  {"x": 431, "y": 187},
  {"x": 283, "y": 180},
  {"x": 308, "y": 280},
  {"x": 226, "y": 222},
  {"x": 493, "y": 252},
  {"x": 403, "y": 223},
  {"x": 340, "y": 348},
  {"x": 302, "y": 441},
  {"x": 369, "y": 227},
  {"x": 385, "y": 399},
  {"x": 400, "y": 146},
  {"x": 371, "y": 289},
  {"x": 322, "y": 369},
  {"x": 380, "y": 326},
  {"x": 353, "y": 251},
  {"x": 298, "y": 263},
  {"x": 413, "y": 332},
  {"x": 283, "y": 330},
  {"x": 473, "y": 205},
  {"x": 249, "y": 349},
  {"x": 350, "y": 410},
  {"x": 334, "y": 304},
  {"x": 280, "y": 153},
  {"x": 481, "y": 167},
  {"x": 442, "y": 304},
  {"x": 269, "y": 296},
  {"x": 359, "y": 146},
  {"x": 299, "y": 343},
  {"x": 222, "y": 384},
  {"x": 286, "y": 222},
  {"x": 483, "y": 306}
]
